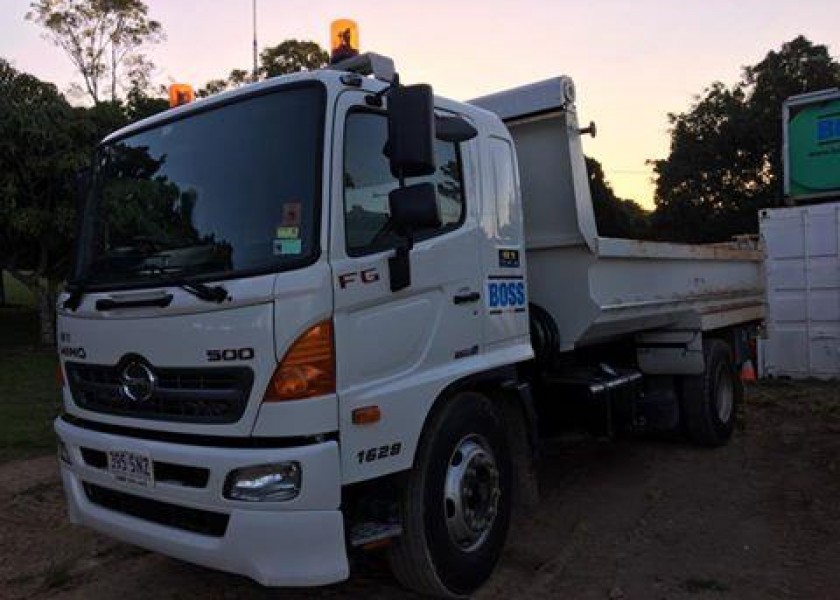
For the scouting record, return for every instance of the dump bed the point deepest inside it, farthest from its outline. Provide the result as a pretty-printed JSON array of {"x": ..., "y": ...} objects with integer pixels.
[{"x": 599, "y": 288}]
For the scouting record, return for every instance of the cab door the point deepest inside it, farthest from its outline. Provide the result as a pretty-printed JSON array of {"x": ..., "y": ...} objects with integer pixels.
[{"x": 397, "y": 350}]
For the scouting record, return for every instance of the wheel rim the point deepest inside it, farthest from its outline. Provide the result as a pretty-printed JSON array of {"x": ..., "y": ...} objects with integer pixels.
[
  {"x": 471, "y": 493},
  {"x": 724, "y": 397}
]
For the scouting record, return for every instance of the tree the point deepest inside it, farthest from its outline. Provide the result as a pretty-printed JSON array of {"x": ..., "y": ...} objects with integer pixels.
[
  {"x": 725, "y": 161},
  {"x": 614, "y": 216},
  {"x": 139, "y": 105},
  {"x": 286, "y": 57},
  {"x": 292, "y": 56},
  {"x": 103, "y": 39},
  {"x": 42, "y": 143}
]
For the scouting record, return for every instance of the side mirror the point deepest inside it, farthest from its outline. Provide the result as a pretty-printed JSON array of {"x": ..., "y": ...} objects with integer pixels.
[
  {"x": 411, "y": 131},
  {"x": 413, "y": 207}
]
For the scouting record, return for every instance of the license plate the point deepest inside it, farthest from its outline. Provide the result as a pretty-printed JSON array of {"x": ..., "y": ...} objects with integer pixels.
[{"x": 131, "y": 467}]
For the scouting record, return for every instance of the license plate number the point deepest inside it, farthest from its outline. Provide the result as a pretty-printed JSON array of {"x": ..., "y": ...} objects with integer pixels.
[{"x": 131, "y": 467}]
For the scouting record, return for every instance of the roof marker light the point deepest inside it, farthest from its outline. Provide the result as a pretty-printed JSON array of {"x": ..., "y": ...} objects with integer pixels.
[
  {"x": 344, "y": 40},
  {"x": 180, "y": 93}
]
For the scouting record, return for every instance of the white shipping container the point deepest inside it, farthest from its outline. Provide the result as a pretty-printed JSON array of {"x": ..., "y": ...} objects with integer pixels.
[{"x": 802, "y": 273}]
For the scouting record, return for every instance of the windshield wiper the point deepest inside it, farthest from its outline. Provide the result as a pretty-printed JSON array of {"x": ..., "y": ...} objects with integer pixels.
[
  {"x": 74, "y": 300},
  {"x": 207, "y": 293},
  {"x": 215, "y": 293}
]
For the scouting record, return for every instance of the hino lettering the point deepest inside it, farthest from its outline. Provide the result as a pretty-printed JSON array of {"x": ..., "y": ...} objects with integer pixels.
[
  {"x": 73, "y": 352},
  {"x": 347, "y": 315}
]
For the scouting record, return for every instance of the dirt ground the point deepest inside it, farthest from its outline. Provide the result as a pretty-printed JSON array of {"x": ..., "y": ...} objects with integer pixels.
[{"x": 646, "y": 519}]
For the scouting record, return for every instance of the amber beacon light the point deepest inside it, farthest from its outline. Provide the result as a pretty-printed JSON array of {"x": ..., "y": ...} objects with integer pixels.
[
  {"x": 180, "y": 93},
  {"x": 344, "y": 40}
]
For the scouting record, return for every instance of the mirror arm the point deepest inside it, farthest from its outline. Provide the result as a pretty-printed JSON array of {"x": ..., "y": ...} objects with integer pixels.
[
  {"x": 375, "y": 100},
  {"x": 399, "y": 265}
]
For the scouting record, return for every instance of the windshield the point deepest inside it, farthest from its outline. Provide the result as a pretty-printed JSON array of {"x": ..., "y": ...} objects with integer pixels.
[{"x": 229, "y": 191}]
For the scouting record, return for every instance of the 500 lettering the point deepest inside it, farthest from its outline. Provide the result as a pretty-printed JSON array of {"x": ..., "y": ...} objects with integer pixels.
[{"x": 216, "y": 355}]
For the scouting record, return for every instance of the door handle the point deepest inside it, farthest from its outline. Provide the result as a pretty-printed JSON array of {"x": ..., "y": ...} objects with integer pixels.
[{"x": 466, "y": 298}]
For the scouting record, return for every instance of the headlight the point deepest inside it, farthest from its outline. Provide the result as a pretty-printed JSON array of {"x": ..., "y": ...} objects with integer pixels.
[{"x": 276, "y": 482}]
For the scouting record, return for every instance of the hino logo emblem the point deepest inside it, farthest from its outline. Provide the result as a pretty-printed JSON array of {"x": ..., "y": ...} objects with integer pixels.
[{"x": 137, "y": 381}]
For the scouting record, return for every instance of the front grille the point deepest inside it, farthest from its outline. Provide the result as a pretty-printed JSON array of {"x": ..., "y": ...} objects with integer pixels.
[
  {"x": 194, "y": 477},
  {"x": 209, "y": 395},
  {"x": 195, "y": 520}
]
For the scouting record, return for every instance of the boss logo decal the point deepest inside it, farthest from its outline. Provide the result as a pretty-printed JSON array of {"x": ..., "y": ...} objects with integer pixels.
[{"x": 505, "y": 294}]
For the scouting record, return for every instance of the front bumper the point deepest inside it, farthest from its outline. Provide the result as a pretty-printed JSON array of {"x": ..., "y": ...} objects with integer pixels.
[{"x": 295, "y": 543}]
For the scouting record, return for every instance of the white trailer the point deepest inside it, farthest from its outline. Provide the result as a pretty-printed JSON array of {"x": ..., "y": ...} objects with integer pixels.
[
  {"x": 802, "y": 336},
  {"x": 327, "y": 311}
]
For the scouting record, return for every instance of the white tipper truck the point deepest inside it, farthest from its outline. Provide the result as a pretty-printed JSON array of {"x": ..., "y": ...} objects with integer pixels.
[{"x": 328, "y": 312}]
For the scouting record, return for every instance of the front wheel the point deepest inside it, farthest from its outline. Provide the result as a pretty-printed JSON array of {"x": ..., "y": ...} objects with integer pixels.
[{"x": 456, "y": 504}]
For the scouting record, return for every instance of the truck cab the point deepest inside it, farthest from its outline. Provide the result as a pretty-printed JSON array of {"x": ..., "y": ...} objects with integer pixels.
[{"x": 233, "y": 350}]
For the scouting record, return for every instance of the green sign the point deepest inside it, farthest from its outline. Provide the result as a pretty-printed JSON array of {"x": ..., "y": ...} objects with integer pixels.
[{"x": 814, "y": 149}]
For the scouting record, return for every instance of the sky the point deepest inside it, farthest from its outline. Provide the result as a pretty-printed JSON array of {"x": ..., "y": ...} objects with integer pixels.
[{"x": 633, "y": 61}]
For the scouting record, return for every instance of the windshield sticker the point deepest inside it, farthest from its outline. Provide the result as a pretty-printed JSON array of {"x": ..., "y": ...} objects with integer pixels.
[
  {"x": 284, "y": 247},
  {"x": 288, "y": 233},
  {"x": 508, "y": 258},
  {"x": 291, "y": 214}
]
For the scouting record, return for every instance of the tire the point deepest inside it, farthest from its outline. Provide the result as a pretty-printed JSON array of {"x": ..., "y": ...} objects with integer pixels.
[
  {"x": 708, "y": 402},
  {"x": 545, "y": 337},
  {"x": 447, "y": 551}
]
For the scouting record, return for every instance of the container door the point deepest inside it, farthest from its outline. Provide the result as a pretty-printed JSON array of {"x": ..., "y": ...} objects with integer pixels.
[{"x": 803, "y": 290}]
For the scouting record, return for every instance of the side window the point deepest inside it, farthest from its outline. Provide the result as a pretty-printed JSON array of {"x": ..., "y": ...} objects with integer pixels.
[
  {"x": 368, "y": 179},
  {"x": 507, "y": 217}
]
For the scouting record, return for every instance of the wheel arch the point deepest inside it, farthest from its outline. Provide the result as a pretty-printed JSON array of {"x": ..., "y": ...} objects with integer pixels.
[{"x": 511, "y": 397}]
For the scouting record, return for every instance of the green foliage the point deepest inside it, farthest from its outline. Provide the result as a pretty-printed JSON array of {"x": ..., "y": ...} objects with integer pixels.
[
  {"x": 615, "y": 216},
  {"x": 725, "y": 161},
  {"x": 103, "y": 39},
  {"x": 286, "y": 57},
  {"x": 16, "y": 293},
  {"x": 139, "y": 105},
  {"x": 43, "y": 143},
  {"x": 292, "y": 56}
]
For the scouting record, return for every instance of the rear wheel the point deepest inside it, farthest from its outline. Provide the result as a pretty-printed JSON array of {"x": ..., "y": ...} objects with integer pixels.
[
  {"x": 456, "y": 504},
  {"x": 708, "y": 401}
]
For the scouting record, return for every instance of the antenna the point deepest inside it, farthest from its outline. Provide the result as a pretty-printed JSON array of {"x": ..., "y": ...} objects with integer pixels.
[{"x": 256, "y": 68}]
